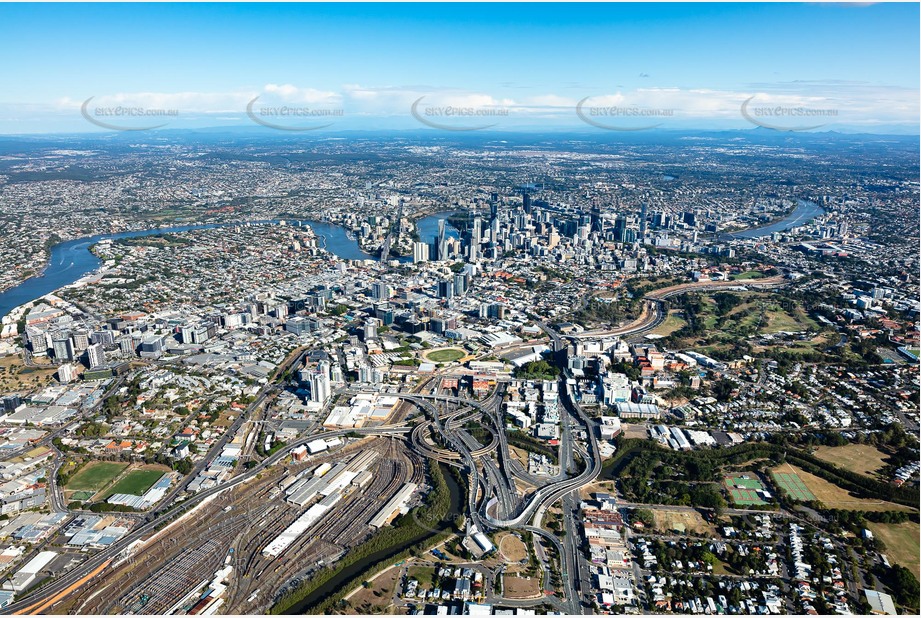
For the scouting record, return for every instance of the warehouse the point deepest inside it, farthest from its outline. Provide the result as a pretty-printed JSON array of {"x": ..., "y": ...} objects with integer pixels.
[
  {"x": 26, "y": 576},
  {"x": 393, "y": 505},
  {"x": 296, "y": 529}
]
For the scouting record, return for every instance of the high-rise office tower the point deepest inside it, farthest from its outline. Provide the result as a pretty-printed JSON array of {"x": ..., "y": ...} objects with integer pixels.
[
  {"x": 370, "y": 330},
  {"x": 95, "y": 356},
  {"x": 620, "y": 228},
  {"x": 319, "y": 383},
  {"x": 66, "y": 373},
  {"x": 643, "y": 213},
  {"x": 446, "y": 289},
  {"x": 62, "y": 346},
  {"x": 81, "y": 341},
  {"x": 441, "y": 242},
  {"x": 595, "y": 218},
  {"x": 380, "y": 291},
  {"x": 420, "y": 252},
  {"x": 460, "y": 283}
]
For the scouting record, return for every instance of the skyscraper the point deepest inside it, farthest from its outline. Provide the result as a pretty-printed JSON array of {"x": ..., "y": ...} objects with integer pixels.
[
  {"x": 63, "y": 346},
  {"x": 460, "y": 283},
  {"x": 420, "y": 252},
  {"x": 441, "y": 242},
  {"x": 380, "y": 291},
  {"x": 643, "y": 213},
  {"x": 620, "y": 228},
  {"x": 95, "y": 356},
  {"x": 446, "y": 289}
]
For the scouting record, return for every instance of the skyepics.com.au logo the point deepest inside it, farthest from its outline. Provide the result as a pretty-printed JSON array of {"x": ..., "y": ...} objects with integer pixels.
[
  {"x": 291, "y": 117},
  {"x": 785, "y": 117},
  {"x": 621, "y": 117},
  {"x": 126, "y": 117},
  {"x": 456, "y": 117}
]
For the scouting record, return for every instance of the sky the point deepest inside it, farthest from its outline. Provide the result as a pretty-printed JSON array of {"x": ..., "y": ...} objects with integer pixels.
[{"x": 331, "y": 67}]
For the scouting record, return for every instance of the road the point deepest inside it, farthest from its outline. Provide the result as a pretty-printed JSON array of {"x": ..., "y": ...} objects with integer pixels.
[
  {"x": 269, "y": 389},
  {"x": 168, "y": 513}
]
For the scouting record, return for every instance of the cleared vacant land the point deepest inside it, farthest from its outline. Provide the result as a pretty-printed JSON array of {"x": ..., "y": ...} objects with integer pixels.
[
  {"x": 859, "y": 458},
  {"x": 748, "y": 274},
  {"x": 512, "y": 548},
  {"x": 424, "y": 575},
  {"x": 521, "y": 587},
  {"x": 447, "y": 355},
  {"x": 135, "y": 482},
  {"x": 689, "y": 521},
  {"x": 901, "y": 542},
  {"x": 96, "y": 475},
  {"x": 834, "y": 497}
]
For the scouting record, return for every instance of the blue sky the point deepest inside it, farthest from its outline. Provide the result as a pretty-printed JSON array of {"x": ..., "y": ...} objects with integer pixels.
[{"x": 631, "y": 65}]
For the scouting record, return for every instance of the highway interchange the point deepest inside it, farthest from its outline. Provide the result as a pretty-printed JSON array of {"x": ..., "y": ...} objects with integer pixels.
[{"x": 493, "y": 502}]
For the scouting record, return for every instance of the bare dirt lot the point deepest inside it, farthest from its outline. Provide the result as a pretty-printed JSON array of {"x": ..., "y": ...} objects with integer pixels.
[
  {"x": 668, "y": 521},
  {"x": 379, "y": 596},
  {"x": 521, "y": 587},
  {"x": 512, "y": 548}
]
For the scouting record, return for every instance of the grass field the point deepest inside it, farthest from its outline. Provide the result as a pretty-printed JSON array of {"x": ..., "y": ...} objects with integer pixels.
[
  {"x": 672, "y": 323},
  {"x": 135, "y": 482},
  {"x": 793, "y": 486},
  {"x": 901, "y": 542},
  {"x": 743, "y": 491},
  {"x": 667, "y": 521},
  {"x": 446, "y": 355},
  {"x": 424, "y": 575},
  {"x": 378, "y": 596},
  {"x": 834, "y": 497},
  {"x": 94, "y": 476},
  {"x": 860, "y": 458},
  {"x": 748, "y": 274},
  {"x": 14, "y": 375}
]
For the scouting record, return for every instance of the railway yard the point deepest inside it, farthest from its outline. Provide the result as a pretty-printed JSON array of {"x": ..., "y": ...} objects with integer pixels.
[{"x": 234, "y": 529}]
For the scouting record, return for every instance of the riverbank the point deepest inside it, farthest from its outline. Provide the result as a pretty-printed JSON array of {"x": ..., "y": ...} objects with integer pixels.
[
  {"x": 71, "y": 260},
  {"x": 804, "y": 212}
]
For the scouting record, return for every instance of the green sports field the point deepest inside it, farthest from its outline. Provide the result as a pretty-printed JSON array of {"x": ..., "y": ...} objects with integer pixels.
[
  {"x": 793, "y": 486},
  {"x": 744, "y": 491},
  {"x": 448, "y": 355},
  {"x": 135, "y": 482},
  {"x": 94, "y": 476}
]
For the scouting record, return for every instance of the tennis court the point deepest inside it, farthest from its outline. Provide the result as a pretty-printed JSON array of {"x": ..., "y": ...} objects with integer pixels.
[
  {"x": 793, "y": 486},
  {"x": 744, "y": 490}
]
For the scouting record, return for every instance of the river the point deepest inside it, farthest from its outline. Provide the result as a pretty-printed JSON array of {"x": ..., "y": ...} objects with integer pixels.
[
  {"x": 71, "y": 260},
  {"x": 804, "y": 212}
]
